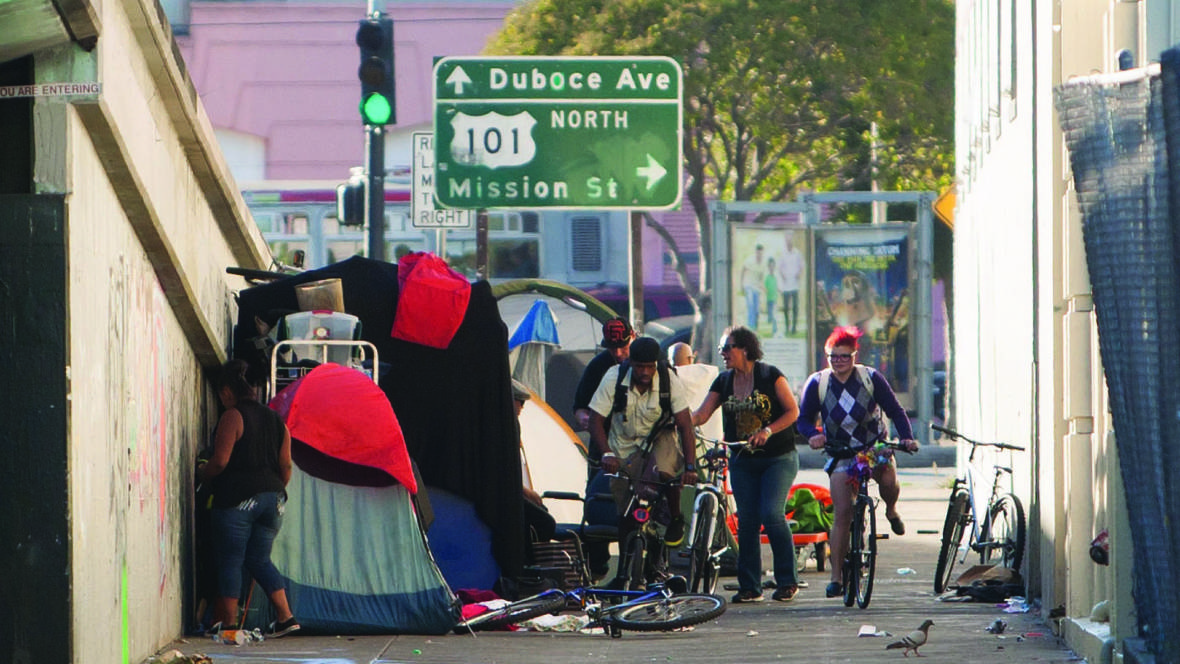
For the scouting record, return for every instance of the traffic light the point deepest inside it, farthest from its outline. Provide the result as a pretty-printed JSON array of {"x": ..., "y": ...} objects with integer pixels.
[
  {"x": 375, "y": 38},
  {"x": 350, "y": 199}
]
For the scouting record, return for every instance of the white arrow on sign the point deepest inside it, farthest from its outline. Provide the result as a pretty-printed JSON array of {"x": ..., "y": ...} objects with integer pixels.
[
  {"x": 458, "y": 78},
  {"x": 654, "y": 172}
]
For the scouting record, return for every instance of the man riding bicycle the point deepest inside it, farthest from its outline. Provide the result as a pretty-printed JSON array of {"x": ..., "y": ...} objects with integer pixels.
[
  {"x": 847, "y": 400},
  {"x": 633, "y": 402}
]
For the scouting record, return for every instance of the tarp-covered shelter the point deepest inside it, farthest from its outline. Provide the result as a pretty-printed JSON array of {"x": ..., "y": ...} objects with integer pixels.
[
  {"x": 454, "y": 404},
  {"x": 532, "y": 343},
  {"x": 352, "y": 550}
]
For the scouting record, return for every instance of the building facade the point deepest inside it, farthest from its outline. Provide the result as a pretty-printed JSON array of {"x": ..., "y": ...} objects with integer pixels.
[{"x": 1026, "y": 364}]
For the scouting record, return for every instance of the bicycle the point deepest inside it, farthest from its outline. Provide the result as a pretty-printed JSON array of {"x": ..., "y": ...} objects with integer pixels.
[
  {"x": 860, "y": 563},
  {"x": 656, "y": 609},
  {"x": 998, "y": 529},
  {"x": 709, "y": 515},
  {"x": 642, "y": 552}
]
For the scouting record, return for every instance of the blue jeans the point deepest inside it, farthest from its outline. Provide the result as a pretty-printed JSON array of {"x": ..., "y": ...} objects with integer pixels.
[
  {"x": 760, "y": 487},
  {"x": 752, "y": 308},
  {"x": 244, "y": 535}
]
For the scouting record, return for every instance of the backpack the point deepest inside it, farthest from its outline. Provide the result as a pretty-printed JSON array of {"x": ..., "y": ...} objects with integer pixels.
[
  {"x": 620, "y": 401},
  {"x": 862, "y": 372}
]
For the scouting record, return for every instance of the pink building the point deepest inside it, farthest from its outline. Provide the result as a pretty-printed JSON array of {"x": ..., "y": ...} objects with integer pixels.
[{"x": 279, "y": 81}]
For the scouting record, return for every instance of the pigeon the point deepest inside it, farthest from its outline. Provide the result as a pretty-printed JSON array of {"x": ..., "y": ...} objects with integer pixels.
[{"x": 912, "y": 641}]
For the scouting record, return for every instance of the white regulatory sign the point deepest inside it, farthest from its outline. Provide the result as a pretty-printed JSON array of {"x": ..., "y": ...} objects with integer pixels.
[
  {"x": 51, "y": 90},
  {"x": 423, "y": 209}
]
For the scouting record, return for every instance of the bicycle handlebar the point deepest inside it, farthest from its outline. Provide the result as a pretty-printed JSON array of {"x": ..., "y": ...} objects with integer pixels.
[
  {"x": 955, "y": 434},
  {"x": 847, "y": 452}
]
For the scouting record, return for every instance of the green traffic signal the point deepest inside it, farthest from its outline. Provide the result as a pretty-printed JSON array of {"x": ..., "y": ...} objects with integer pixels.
[
  {"x": 376, "y": 109},
  {"x": 374, "y": 36}
]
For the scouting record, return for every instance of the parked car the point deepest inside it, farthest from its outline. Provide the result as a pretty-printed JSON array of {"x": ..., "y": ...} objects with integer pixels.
[
  {"x": 669, "y": 330},
  {"x": 658, "y": 301}
]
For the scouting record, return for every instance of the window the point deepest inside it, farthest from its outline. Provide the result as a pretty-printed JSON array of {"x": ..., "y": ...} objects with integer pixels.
[
  {"x": 586, "y": 244},
  {"x": 513, "y": 259}
]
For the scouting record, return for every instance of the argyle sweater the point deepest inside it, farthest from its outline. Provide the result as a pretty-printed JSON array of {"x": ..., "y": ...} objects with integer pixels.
[{"x": 850, "y": 415}]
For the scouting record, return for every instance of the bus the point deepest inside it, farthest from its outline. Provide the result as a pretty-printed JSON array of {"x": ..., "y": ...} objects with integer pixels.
[{"x": 576, "y": 247}]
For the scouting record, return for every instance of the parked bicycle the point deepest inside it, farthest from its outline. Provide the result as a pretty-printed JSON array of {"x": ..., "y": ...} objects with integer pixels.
[
  {"x": 711, "y": 508},
  {"x": 994, "y": 517},
  {"x": 860, "y": 563},
  {"x": 656, "y": 609}
]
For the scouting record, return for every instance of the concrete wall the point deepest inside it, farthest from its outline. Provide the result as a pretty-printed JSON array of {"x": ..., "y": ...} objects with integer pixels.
[
  {"x": 152, "y": 221},
  {"x": 1027, "y": 366}
]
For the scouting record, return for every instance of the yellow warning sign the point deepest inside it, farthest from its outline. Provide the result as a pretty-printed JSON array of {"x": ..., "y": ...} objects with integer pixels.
[{"x": 944, "y": 207}]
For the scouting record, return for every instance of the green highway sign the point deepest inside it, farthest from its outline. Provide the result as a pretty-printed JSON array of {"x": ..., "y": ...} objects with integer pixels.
[{"x": 558, "y": 132}]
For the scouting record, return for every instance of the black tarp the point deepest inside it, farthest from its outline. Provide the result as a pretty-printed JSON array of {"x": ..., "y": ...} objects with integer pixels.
[{"x": 454, "y": 405}]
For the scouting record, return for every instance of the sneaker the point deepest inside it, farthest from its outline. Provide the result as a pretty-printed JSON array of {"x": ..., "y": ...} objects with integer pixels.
[
  {"x": 214, "y": 629},
  {"x": 746, "y": 596},
  {"x": 896, "y": 524},
  {"x": 785, "y": 594},
  {"x": 674, "y": 535},
  {"x": 284, "y": 628},
  {"x": 834, "y": 589}
]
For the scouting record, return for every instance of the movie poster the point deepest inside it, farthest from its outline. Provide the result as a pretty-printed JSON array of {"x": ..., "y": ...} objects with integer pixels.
[
  {"x": 770, "y": 293},
  {"x": 862, "y": 279}
]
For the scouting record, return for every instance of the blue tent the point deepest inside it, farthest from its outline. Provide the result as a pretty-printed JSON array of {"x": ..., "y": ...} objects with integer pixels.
[
  {"x": 531, "y": 345},
  {"x": 537, "y": 326}
]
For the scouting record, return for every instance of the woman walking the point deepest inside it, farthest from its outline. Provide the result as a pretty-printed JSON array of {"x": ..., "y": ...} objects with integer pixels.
[{"x": 757, "y": 406}]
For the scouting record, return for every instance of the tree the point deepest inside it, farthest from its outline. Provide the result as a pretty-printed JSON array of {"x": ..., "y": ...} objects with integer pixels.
[{"x": 780, "y": 96}]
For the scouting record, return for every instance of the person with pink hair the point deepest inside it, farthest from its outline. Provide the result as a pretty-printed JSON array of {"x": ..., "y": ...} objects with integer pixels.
[{"x": 841, "y": 413}]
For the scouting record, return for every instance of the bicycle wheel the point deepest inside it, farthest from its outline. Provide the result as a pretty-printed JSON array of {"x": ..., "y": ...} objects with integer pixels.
[
  {"x": 867, "y": 570},
  {"x": 666, "y": 613},
  {"x": 631, "y": 555},
  {"x": 852, "y": 560},
  {"x": 1006, "y": 534},
  {"x": 957, "y": 519},
  {"x": 550, "y": 601},
  {"x": 702, "y": 571}
]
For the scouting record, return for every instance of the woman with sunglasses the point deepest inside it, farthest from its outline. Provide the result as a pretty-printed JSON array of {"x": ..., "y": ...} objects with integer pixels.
[
  {"x": 757, "y": 406},
  {"x": 847, "y": 400}
]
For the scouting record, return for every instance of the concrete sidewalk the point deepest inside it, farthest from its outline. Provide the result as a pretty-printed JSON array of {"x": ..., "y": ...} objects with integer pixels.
[{"x": 809, "y": 629}]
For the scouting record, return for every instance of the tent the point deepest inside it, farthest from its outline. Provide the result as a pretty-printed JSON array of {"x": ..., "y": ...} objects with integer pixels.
[
  {"x": 351, "y": 548},
  {"x": 531, "y": 345},
  {"x": 454, "y": 404},
  {"x": 554, "y": 457}
]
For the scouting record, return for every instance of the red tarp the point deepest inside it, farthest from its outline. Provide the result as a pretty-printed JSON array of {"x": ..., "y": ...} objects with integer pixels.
[
  {"x": 342, "y": 413},
  {"x": 432, "y": 300}
]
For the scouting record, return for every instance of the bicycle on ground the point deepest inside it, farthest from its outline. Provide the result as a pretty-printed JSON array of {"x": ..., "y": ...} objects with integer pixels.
[
  {"x": 860, "y": 563},
  {"x": 711, "y": 508},
  {"x": 997, "y": 524},
  {"x": 656, "y": 609}
]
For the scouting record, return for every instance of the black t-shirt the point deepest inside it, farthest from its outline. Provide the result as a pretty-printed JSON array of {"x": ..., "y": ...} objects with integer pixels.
[
  {"x": 253, "y": 466},
  {"x": 591, "y": 377},
  {"x": 742, "y": 418}
]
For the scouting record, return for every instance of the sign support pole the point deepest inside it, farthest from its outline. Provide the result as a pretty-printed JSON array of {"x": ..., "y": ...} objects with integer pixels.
[
  {"x": 481, "y": 244},
  {"x": 635, "y": 287}
]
